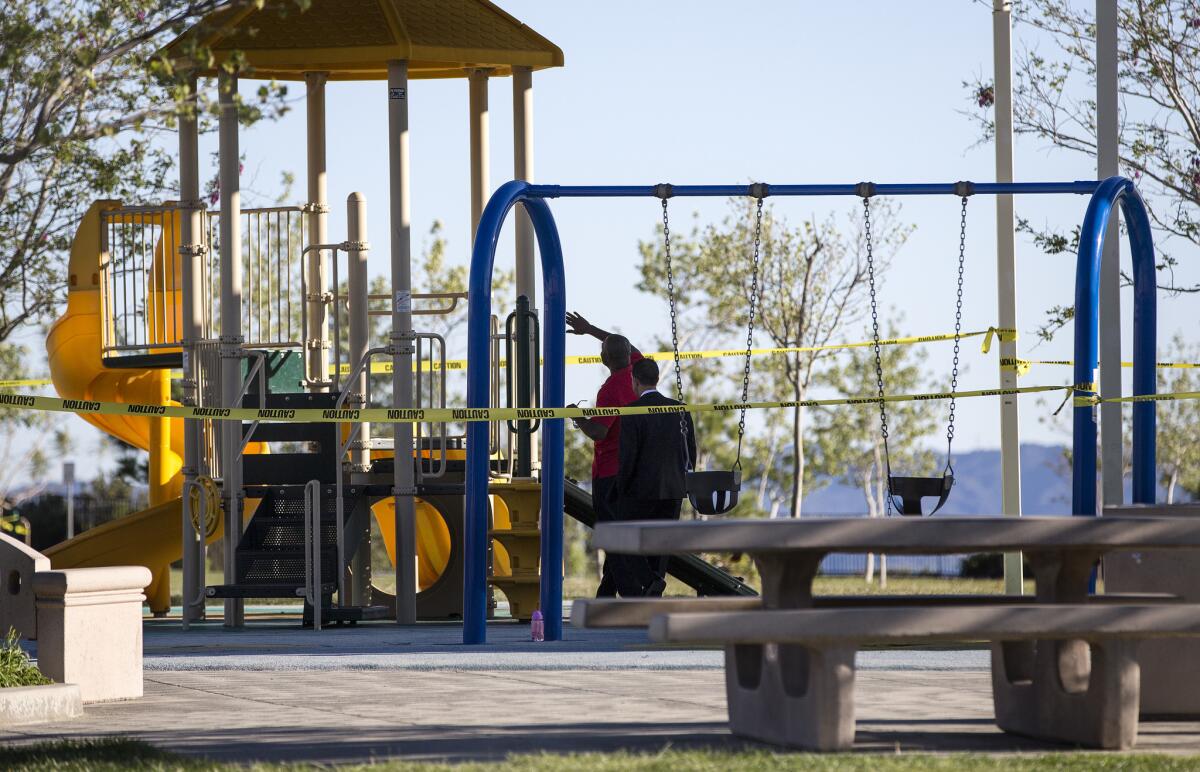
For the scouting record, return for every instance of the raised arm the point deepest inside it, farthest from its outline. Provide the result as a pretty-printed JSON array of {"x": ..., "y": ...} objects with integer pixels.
[{"x": 577, "y": 325}]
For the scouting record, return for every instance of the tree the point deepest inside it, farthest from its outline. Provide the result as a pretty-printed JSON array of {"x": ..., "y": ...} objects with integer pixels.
[
  {"x": 812, "y": 280},
  {"x": 83, "y": 95},
  {"x": 1178, "y": 453},
  {"x": 1159, "y": 85},
  {"x": 849, "y": 440}
]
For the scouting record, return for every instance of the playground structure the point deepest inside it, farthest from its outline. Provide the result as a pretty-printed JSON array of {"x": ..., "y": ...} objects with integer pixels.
[{"x": 248, "y": 304}]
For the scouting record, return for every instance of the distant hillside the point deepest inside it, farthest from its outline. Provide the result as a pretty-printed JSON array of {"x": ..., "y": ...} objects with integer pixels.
[{"x": 1045, "y": 485}]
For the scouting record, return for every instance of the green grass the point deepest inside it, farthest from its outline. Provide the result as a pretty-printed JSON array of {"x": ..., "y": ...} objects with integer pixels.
[
  {"x": 121, "y": 754},
  {"x": 15, "y": 667}
]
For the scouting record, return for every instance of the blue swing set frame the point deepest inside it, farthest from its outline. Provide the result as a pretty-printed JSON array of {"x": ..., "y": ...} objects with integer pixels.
[{"x": 1105, "y": 195}]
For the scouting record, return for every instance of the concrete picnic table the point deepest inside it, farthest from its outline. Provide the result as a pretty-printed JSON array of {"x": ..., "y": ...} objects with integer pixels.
[{"x": 1063, "y": 667}]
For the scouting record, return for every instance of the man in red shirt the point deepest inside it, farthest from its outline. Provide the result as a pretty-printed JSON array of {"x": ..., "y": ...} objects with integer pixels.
[{"x": 618, "y": 355}]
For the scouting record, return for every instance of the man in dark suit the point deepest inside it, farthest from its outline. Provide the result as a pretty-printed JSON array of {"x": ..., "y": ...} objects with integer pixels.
[{"x": 656, "y": 451}]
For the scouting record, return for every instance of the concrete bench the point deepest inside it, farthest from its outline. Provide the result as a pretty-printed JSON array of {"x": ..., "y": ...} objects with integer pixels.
[
  {"x": 790, "y": 674},
  {"x": 1063, "y": 666}
]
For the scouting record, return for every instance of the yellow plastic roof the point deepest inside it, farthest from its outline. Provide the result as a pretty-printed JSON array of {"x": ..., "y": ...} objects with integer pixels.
[{"x": 354, "y": 39}]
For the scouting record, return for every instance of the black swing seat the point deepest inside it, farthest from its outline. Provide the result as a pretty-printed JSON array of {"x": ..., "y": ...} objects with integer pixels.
[
  {"x": 910, "y": 491},
  {"x": 714, "y": 492}
]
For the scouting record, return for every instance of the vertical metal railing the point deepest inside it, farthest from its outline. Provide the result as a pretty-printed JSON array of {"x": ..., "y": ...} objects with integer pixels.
[
  {"x": 312, "y": 550},
  {"x": 273, "y": 241},
  {"x": 141, "y": 285}
]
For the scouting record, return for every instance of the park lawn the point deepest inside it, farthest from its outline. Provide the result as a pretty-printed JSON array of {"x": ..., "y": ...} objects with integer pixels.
[{"x": 119, "y": 754}]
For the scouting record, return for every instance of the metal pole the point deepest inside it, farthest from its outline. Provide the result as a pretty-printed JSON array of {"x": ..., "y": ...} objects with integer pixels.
[
  {"x": 522, "y": 367},
  {"x": 1006, "y": 283},
  {"x": 402, "y": 341},
  {"x": 360, "y": 456},
  {"x": 522, "y": 226},
  {"x": 191, "y": 239},
  {"x": 316, "y": 349},
  {"x": 69, "y": 482},
  {"x": 1107, "y": 162},
  {"x": 231, "y": 332},
  {"x": 478, "y": 84}
]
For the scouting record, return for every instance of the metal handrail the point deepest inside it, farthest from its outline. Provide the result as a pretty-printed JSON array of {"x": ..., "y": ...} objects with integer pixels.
[
  {"x": 442, "y": 464},
  {"x": 260, "y": 358},
  {"x": 355, "y": 430},
  {"x": 188, "y": 485},
  {"x": 453, "y": 297},
  {"x": 312, "y": 549}
]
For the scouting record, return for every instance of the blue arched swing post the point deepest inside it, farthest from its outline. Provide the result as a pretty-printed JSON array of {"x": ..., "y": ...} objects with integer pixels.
[{"x": 1105, "y": 195}]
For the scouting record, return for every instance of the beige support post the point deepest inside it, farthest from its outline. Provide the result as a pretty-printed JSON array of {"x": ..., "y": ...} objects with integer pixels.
[
  {"x": 231, "y": 333},
  {"x": 357, "y": 281},
  {"x": 1112, "y": 472},
  {"x": 522, "y": 226},
  {"x": 90, "y": 629},
  {"x": 1006, "y": 283},
  {"x": 478, "y": 83},
  {"x": 316, "y": 349},
  {"x": 191, "y": 244},
  {"x": 402, "y": 341}
]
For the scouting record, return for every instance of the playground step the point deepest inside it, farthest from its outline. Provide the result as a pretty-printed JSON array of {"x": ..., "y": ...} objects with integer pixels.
[{"x": 274, "y": 567}]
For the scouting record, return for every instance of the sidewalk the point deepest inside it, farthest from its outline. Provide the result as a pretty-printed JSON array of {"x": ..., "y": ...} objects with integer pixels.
[{"x": 356, "y": 694}]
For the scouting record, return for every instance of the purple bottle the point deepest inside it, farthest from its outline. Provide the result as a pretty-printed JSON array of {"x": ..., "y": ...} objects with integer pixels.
[{"x": 537, "y": 627}]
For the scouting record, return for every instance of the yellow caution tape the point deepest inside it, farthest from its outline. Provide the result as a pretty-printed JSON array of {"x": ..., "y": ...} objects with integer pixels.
[
  {"x": 384, "y": 367},
  {"x": 453, "y": 415},
  {"x": 27, "y": 382},
  {"x": 1022, "y": 366},
  {"x": 1171, "y": 397}
]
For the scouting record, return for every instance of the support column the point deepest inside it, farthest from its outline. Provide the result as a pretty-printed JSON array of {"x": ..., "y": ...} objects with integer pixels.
[
  {"x": 357, "y": 282},
  {"x": 522, "y": 226},
  {"x": 316, "y": 348},
  {"x": 1107, "y": 165},
  {"x": 478, "y": 83},
  {"x": 191, "y": 238},
  {"x": 402, "y": 341},
  {"x": 1006, "y": 283},
  {"x": 231, "y": 333}
]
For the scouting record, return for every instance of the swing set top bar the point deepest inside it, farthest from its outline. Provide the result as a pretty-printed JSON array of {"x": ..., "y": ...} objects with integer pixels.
[{"x": 1082, "y": 187}]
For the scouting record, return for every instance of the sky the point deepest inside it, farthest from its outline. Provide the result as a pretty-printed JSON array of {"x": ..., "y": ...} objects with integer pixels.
[{"x": 701, "y": 91}]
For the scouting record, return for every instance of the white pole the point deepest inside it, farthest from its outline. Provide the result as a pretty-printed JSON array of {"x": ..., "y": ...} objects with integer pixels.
[
  {"x": 402, "y": 341},
  {"x": 231, "y": 332},
  {"x": 316, "y": 354},
  {"x": 1006, "y": 282},
  {"x": 478, "y": 84},
  {"x": 192, "y": 265},
  {"x": 522, "y": 226},
  {"x": 1107, "y": 165}
]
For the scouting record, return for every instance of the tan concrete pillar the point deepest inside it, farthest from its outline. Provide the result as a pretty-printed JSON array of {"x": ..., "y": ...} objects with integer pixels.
[
  {"x": 316, "y": 349},
  {"x": 231, "y": 332},
  {"x": 191, "y": 240},
  {"x": 522, "y": 226},
  {"x": 402, "y": 341},
  {"x": 480, "y": 160}
]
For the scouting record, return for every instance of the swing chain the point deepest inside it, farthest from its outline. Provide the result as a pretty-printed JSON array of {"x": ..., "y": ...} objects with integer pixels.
[
  {"x": 674, "y": 322},
  {"x": 754, "y": 299},
  {"x": 883, "y": 425},
  {"x": 962, "y": 251}
]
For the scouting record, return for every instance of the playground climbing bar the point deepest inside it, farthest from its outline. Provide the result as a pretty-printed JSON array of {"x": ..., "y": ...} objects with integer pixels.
[{"x": 1104, "y": 194}]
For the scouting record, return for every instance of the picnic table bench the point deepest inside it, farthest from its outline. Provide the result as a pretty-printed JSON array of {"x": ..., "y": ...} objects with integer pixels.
[{"x": 1064, "y": 664}]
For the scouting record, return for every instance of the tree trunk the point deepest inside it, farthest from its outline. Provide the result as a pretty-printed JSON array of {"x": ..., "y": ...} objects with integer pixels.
[
  {"x": 1174, "y": 478},
  {"x": 797, "y": 457}
]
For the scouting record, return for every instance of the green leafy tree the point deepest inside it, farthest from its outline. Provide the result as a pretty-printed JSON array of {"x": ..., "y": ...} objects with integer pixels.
[
  {"x": 1159, "y": 86},
  {"x": 813, "y": 284},
  {"x": 83, "y": 97},
  {"x": 1178, "y": 453}
]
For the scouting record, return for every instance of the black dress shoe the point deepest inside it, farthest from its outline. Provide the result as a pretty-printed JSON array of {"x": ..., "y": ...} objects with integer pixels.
[{"x": 655, "y": 590}]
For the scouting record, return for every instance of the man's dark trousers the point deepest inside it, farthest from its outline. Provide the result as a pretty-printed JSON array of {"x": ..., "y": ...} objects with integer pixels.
[
  {"x": 647, "y": 568},
  {"x": 602, "y": 492}
]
